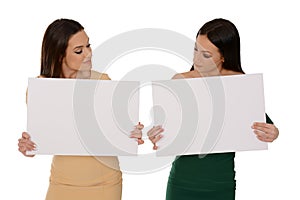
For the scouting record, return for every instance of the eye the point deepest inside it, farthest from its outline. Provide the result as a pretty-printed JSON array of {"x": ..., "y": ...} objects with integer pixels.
[
  {"x": 78, "y": 52},
  {"x": 195, "y": 48},
  {"x": 88, "y": 46},
  {"x": 206, "y": 55}
]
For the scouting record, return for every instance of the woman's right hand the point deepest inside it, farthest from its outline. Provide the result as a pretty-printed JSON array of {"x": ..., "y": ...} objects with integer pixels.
[
  {"x": 154, "y": 134},
  {"x": 25, "y": 144}
]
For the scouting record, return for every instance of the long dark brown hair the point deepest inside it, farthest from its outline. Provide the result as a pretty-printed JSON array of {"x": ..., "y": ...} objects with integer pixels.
[
  {"x": 225, "y": 36},
  {"x": 55, "y": 43}
]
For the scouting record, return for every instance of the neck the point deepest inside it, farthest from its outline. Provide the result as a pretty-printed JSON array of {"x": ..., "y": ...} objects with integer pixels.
[
  {"x": 215, "y": 72},
  {"x": 76, "y": 74}
]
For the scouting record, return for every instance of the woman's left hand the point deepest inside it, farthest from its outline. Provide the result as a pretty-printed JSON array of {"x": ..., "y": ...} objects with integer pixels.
[
  {"x": 265, "y": 132},
  {"x": 137, "y": 133}
]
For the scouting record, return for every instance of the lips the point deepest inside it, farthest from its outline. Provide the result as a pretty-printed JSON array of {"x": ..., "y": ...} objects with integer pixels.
[{"x": 87, "y": 62}]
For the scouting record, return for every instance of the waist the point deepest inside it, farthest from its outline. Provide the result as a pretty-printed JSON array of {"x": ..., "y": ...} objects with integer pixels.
[
  {"x": 84, "y": 170},
  {"x": 218, "y": 167}
]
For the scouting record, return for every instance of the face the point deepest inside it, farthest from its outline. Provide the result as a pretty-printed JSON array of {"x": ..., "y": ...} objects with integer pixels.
[
  {"x": 207, "y": 58},
  {"x": 78, "y": 55}
]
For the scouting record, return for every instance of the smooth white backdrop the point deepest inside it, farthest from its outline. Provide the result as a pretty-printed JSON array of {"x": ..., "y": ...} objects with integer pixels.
[{"x": 269, "y": 33}]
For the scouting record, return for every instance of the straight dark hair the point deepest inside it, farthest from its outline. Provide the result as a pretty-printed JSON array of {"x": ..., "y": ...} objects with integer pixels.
[
  {"x": 225, "y": 36},
  {"x": 55, "y": 43}
]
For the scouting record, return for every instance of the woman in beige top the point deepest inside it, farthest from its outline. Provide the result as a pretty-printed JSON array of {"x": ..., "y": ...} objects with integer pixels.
[{"x": 66, "y": 53}]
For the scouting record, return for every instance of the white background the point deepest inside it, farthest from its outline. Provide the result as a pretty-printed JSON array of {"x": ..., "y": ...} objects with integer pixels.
[{"x": 269, "y": 33}]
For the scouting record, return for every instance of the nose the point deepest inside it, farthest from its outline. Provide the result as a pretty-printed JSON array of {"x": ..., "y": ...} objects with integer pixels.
[
  {"x": 88, "y": 53},
  {"x": 197, "y": 58}
]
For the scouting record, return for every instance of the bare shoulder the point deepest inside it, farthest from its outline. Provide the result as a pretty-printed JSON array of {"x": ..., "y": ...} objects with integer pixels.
[
  {"x": 178, "y": 76},
  {"x": 230, "y": 72},
  {"x": 236, "y": 73},
  {"x": 189, "y": 74},
  {"x": 99, "y": 76}
]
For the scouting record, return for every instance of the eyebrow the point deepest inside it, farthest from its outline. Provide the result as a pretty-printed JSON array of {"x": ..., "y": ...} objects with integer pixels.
[
  {"x": 78, "y": 47},
  {"x": 204, "y": 51}
]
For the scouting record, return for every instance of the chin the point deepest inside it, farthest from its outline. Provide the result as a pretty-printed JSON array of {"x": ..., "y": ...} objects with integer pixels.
[
  {"x": 84, "y": 74},
  {"x": 85, "y": 66}
]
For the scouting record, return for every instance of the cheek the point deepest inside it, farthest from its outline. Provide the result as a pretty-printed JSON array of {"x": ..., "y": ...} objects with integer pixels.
[
  {"x": 218, "y": 62},
  {"x": 74, "y": 61},
  {"x": 199, "y": 60}
]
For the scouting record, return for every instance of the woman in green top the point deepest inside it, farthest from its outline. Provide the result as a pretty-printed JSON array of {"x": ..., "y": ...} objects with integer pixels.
[{"x": 211, "y": 176}]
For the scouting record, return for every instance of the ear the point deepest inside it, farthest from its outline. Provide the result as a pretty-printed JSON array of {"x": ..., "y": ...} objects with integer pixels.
[{"x": 222, "y": 59}]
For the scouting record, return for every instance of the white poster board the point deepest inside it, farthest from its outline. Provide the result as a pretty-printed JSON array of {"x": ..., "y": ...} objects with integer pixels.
[
  {"x": 82, "y": 117},
  {"x": 209, "y": 115}
]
